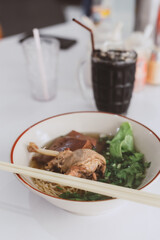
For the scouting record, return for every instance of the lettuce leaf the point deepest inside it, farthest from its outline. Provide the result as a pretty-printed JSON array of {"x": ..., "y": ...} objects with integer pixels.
[{"x": 123, "y": 141}]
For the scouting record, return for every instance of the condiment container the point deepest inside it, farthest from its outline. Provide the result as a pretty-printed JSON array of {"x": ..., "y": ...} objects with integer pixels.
[
  {"x": 157, "y": 36},
  {"x": 143, "y": 45},
  {"x": 153, "y": 76}
]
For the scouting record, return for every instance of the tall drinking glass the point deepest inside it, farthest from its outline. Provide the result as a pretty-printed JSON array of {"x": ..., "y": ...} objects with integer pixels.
[
  {"x": 42, "y": 75},
  {"x": 112, "y": 80},
  {"x": 113, "y": 76}
]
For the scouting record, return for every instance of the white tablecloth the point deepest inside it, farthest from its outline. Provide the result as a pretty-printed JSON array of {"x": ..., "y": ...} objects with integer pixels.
[{"x": 24, "y": 215}]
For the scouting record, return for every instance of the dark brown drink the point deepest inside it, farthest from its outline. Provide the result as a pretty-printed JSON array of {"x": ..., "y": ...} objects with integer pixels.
[{"x": 113, "y": 75}]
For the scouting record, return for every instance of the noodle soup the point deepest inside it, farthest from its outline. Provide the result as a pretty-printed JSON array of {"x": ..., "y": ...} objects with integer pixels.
[{"x": 110, "y": 159}]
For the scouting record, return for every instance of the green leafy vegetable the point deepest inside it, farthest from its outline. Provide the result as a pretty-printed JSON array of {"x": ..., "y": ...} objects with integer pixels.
[
  {"x": 86, "y": 196},
  {"x": 59, "y": 188},
  {"x": 123, "y": 141},
  {"x": 125, "y": 166}
]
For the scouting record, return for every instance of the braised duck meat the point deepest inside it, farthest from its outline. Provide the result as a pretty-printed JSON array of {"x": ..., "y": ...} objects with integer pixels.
[
  {"x": 83, "y": 163},
  {"x": 72, "y": 141},
  {"x": 81, "y": 136},
  {"x": 88, "y": 164}
]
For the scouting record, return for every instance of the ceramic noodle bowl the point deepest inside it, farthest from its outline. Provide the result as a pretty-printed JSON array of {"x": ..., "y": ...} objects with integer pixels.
[{"x": 146, "y": 141}]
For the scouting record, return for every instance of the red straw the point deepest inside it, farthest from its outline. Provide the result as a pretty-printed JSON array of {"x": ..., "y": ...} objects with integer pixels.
[{"x": 90, "y": 30}]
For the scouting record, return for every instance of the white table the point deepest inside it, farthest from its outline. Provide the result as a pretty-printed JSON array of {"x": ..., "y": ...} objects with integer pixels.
[{"x": 24, "y": 215}]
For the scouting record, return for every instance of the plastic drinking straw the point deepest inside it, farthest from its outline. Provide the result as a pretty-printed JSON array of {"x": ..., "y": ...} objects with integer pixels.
[
  {"x": 41, "y": 63},
  {"x": 90, "y": 30}
]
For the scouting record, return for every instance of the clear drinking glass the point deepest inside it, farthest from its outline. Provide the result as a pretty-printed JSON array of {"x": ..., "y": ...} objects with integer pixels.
[{"x": 42, "y": 74}]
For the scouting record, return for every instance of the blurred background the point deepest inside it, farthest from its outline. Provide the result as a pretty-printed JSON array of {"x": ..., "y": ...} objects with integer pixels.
[
  {"x": 116, "y": 24},
  {"x": 18, "y": 16}
]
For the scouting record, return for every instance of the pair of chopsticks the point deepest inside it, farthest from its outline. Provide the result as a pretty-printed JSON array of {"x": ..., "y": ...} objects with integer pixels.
[{"x": 84, "y": 184}]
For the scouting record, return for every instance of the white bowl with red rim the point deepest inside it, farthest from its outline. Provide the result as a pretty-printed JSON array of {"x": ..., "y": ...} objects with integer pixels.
[{"x": 146, "y": 141}]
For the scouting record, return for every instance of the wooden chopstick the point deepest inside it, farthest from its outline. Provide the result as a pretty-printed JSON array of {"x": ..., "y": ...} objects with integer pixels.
[{"x": 85, "y": 184}]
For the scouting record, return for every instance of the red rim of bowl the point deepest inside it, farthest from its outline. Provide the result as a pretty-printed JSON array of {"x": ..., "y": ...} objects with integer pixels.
[{"x": 70, "y": 113}]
